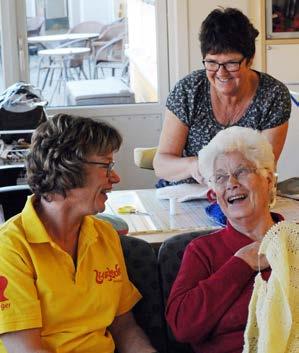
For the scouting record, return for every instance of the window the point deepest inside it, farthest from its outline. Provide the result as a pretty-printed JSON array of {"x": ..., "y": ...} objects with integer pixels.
[
  {"x": 140, "y": 122},
  {"x": 94, "y": 52}
]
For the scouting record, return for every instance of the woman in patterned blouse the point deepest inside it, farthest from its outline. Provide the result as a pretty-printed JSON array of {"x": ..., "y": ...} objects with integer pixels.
[{"x": 227, "y": 92}]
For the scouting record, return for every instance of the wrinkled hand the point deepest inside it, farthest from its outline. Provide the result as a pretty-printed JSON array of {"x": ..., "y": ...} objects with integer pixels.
[
  {"x": 249, "y": 254},
  {"x": 195, "y": 174}
]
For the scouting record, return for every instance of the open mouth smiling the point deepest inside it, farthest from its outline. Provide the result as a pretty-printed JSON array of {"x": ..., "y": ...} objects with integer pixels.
[
  {"x": 236, "y": 198},
  {"x": 223, "y": 80}
]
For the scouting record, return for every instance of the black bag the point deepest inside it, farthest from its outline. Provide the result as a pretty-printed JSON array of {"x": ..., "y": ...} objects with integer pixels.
[{"x": 21, "y": 108}]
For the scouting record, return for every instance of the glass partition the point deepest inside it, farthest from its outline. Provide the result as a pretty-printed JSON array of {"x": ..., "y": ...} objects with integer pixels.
[{"x": 93, "y": 53}]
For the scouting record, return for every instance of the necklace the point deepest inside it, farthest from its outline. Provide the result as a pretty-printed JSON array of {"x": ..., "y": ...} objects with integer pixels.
[{"x": 228, "y": 114}]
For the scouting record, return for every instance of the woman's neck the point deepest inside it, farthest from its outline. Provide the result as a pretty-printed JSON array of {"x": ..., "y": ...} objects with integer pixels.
[
  {"x": 228, "y": 109},
  {"x": 61, "y": 222},
  {"x": 256, "y": 228}
]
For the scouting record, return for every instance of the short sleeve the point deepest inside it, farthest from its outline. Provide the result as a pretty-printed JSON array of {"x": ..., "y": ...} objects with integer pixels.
[
  {"x": 20, "y": 306},
  {"x": 279, "y": 109},
  {"x": 189, "y": 95},
  {"x": 177, "y": 101}
]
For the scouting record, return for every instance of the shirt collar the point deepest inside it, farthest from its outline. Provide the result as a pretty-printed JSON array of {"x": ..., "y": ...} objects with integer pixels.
[
  {"x": 37, "y": 233},
  {"x": 33, "y": 226},
  {"x": 88, "y": 231}
]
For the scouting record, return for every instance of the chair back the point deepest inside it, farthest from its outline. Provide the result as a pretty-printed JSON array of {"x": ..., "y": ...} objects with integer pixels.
[
  {"x": 142, "y": 269},
  {"x": 169, "y": 260},
  {"x": 13, "y": 199},
  {"x": 87, "y": 27},
  {"x": 111, "y": 51},
  {"x": 113, "y": 31},
  {"x": 144, "y": 157}
]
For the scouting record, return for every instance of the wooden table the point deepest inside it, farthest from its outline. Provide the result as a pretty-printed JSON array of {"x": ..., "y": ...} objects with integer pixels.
[
  {"x": 158, "y": 225},
  {"x": 154, "y": 224}
]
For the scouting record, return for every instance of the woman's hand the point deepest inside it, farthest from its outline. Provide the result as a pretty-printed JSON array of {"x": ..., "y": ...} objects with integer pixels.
[
  {"x": 194, "y": 171},
  {"x": 249, "y": 254}
]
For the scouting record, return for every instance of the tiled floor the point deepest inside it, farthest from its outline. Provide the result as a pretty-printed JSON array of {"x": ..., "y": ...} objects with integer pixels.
[{"x": 53, "y": 92}]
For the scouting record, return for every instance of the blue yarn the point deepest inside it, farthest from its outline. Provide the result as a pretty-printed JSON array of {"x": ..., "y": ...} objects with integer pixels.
[
  {"x": 214, "y": 211},
  {"x": 161, "y": 183}
]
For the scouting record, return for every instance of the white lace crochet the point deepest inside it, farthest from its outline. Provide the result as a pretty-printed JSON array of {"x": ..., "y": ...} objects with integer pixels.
[{"x": 273, "y": 320}]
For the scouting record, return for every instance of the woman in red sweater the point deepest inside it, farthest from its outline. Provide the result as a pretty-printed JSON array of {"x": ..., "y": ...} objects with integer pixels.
[{"x": 208, "y": 303}]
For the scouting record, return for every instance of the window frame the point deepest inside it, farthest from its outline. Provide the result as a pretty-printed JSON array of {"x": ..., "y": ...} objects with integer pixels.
[{"x": 15, "y": 54}]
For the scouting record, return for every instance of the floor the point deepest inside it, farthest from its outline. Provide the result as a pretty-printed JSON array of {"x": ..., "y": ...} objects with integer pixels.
[{"x": 54, "y": 92}]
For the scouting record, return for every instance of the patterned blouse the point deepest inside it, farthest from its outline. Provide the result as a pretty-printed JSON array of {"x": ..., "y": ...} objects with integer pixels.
[{"x": 190, "y": 101}]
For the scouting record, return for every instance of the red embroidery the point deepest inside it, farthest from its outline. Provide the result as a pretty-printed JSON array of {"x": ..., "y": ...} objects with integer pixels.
[
  {"x": 108, "y": 274},
  {"x": 3, "y": 285}
]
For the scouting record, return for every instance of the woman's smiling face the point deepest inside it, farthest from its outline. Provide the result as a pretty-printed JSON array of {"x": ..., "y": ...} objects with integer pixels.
[
  {"x": 99, "y": 181},
  {"x": 242, "y": 190},
  {"x": 224, "y": 81}
]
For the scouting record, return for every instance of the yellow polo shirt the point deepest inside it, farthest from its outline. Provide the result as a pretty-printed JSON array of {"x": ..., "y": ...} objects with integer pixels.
[{"x": 41, "y": 287}]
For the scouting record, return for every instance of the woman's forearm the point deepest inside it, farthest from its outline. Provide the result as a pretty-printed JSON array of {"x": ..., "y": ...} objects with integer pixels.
[
  {"x": 174, "y": 168},
  {"x": 128, "y": 336}
]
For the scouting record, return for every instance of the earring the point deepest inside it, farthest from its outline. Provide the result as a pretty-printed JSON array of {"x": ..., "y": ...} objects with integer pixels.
[{"x": 211, "y": 195}]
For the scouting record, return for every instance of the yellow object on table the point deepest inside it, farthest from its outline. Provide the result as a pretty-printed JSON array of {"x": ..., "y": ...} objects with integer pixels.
[{"x": 128, "y": 209}]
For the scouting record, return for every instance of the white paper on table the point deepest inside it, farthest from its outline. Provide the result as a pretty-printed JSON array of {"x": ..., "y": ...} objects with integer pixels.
[{"x": 183, "y": 192}]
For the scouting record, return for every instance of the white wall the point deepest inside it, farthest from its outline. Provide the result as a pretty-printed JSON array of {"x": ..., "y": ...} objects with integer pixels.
[{"x": 137, "y": 131}]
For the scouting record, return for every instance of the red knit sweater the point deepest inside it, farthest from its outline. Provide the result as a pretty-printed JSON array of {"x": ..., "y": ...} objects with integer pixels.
[{"x": 208, "y": 303}]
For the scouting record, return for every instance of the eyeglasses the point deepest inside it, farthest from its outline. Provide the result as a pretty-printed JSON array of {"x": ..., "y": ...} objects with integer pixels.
[
  {"x": 109, "y": 166},
  {"x": 241, "y": 174},
  {"x": 230, "y": 66}
]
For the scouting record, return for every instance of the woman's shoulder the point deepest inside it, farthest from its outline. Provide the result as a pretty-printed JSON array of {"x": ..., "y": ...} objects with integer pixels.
[
  {"x": 12, "y": 231},
  {"x": 269, "y": 82},
  {"x": 103, "y": 225},
  {"x": 214, "y": 237}
]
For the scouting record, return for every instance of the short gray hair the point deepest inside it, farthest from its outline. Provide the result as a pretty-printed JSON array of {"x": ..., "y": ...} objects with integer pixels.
[{"x": 251, "y": 143}]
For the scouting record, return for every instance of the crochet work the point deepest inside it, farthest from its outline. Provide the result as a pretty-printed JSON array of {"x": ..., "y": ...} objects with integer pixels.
[{"x": 273, "y": 320}]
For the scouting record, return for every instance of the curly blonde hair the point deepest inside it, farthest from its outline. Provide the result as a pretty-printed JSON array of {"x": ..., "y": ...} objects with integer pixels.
[{"x": 58, "y": 148}]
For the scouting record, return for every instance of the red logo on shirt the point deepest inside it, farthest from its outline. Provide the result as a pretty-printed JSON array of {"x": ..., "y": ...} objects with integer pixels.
[
  {"x": 108, "y": 274},
  {"x": 3, "y": 285}
]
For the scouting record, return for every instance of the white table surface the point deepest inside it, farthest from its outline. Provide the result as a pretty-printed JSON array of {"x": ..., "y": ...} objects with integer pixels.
[
  {"x": 62, "y": 37},
  {"x": 64, "y": 51}
]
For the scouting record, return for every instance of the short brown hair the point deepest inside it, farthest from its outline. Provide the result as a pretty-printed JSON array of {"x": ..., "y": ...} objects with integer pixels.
[{"x": 58, "y": 148}]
